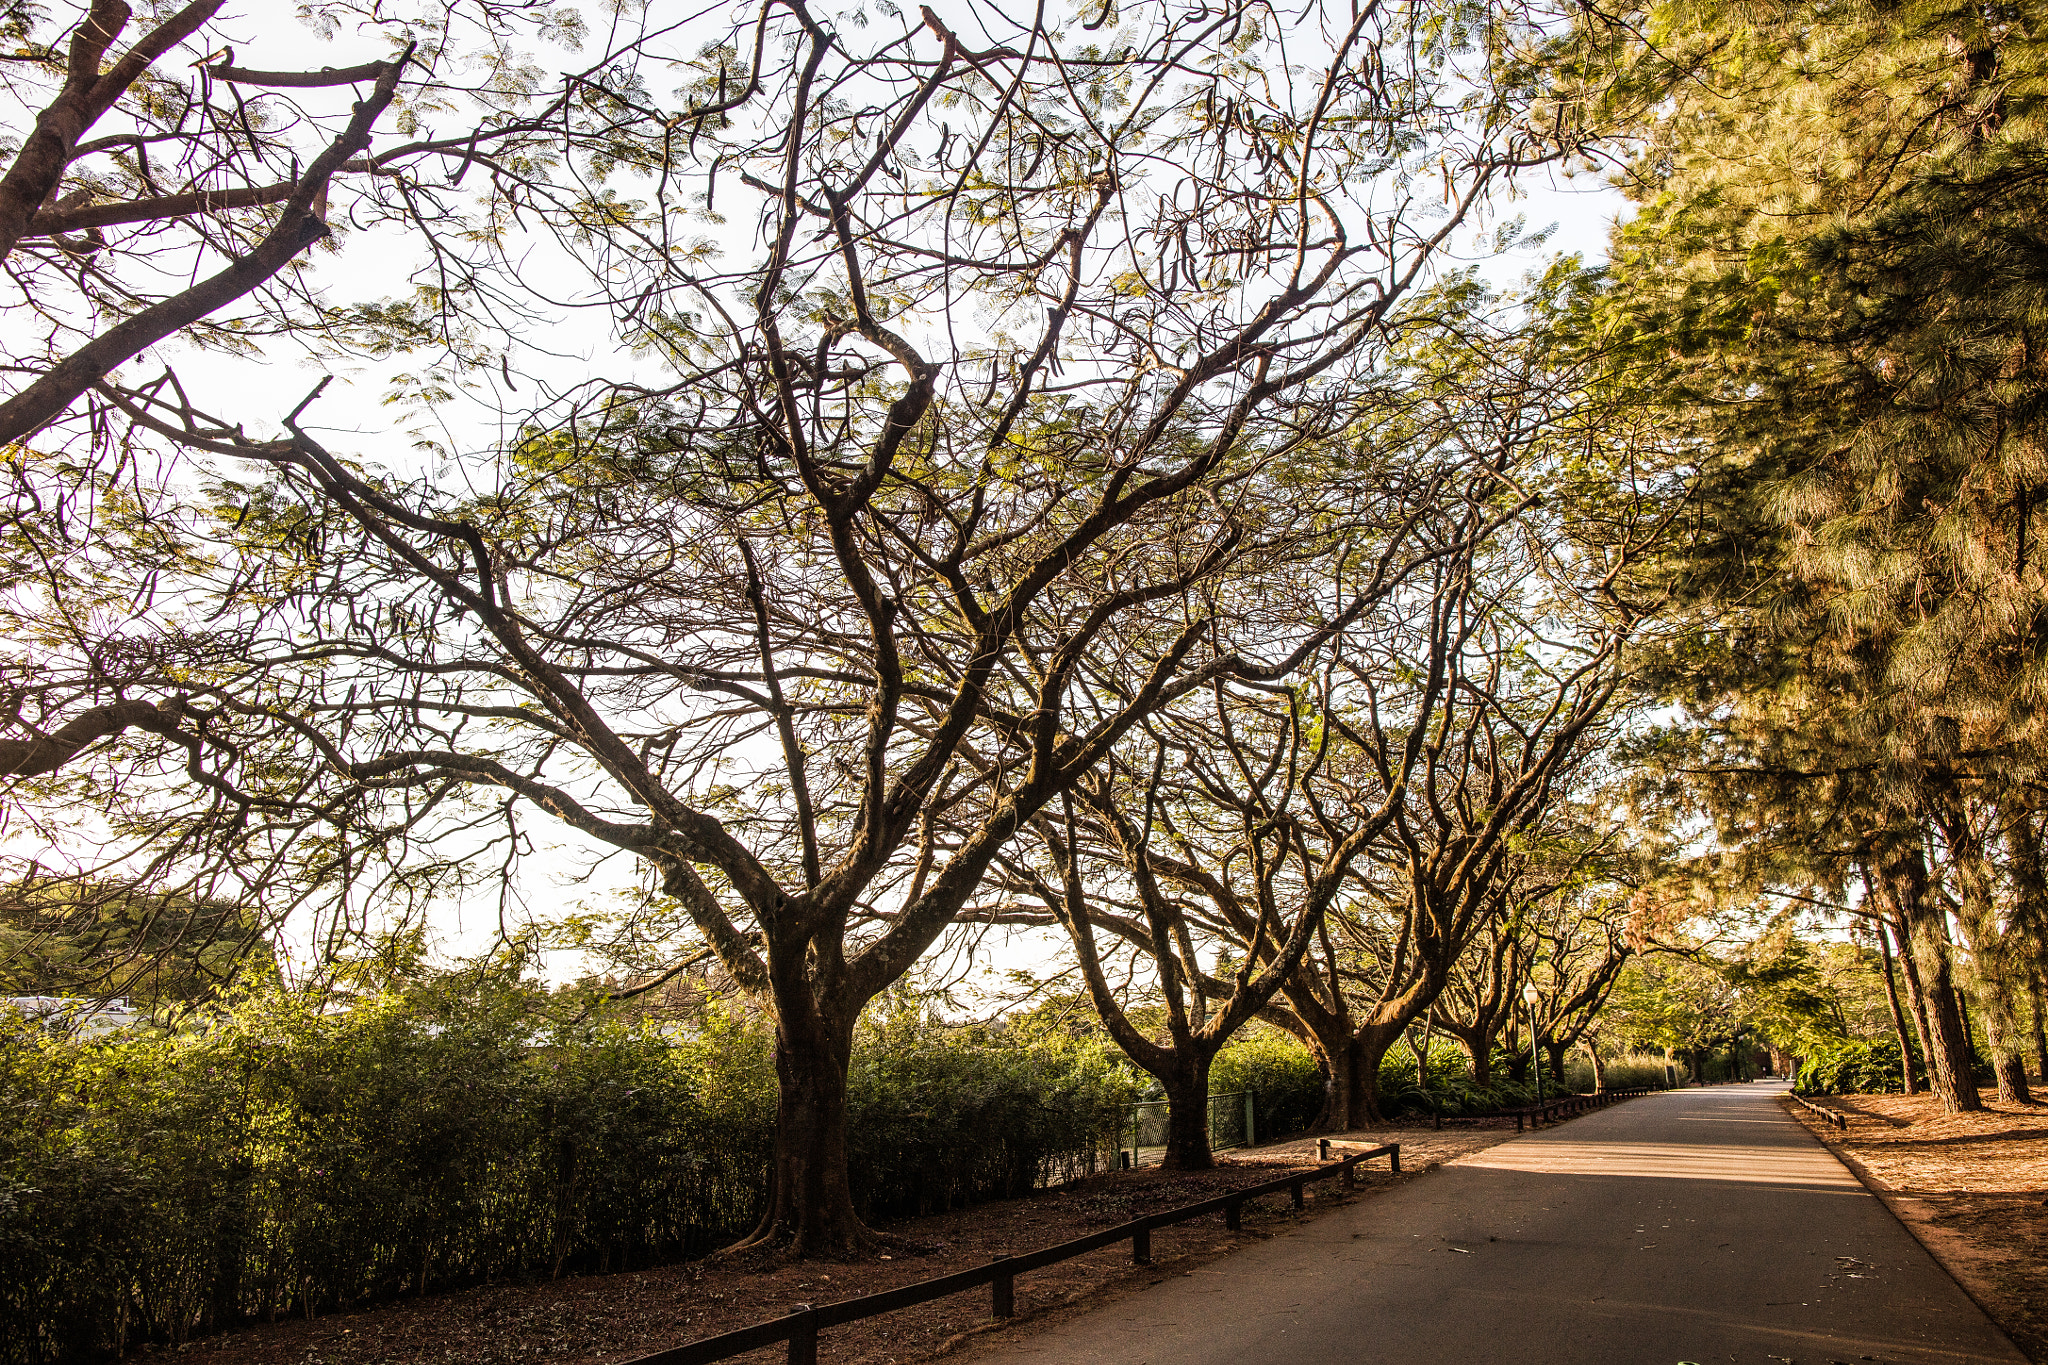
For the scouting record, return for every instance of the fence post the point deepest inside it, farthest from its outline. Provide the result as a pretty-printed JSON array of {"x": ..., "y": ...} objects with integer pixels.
[
  {"x": 1296, "y": 1191},
  {"x": 803, "y": 1336},
  {"x": 1141, "y": 1245},
  {"x": 1233, "y": 1214},
  {"x": 1251, "y": 1135},
  {"x": 1351, "y": 1174},
  {"x": 1322, "y": 1149},
  {"x": 1003, "y": 1291},
  {"x": 1396, "y": 1155}
]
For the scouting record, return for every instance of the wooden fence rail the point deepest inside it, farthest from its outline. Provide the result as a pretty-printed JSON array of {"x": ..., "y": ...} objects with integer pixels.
[
  {"x": 1839, "y": 1120},
  {"x": 800, "y": 1328},
  {"x": 1565, "y": 1106}
]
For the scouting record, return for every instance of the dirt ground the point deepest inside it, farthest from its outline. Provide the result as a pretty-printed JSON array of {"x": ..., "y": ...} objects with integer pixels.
[
  {"x": 1972, "y": 1187},
  {"x": 607, "y": 1318}
]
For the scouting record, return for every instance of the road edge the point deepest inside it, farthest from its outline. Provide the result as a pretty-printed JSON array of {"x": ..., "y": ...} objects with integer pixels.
[{"x": 1918, "y": 1224}]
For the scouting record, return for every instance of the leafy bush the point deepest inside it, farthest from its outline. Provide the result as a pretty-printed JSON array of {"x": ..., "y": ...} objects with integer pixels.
[
  {"x": 1281, "y": 1074},
  {"x": 1851, "y": 1067},
  {"x": 943, "y": 1117},
  {"x": 306, "y": 1154},
  {"x": 1449, "y": 1089},
  {"x": 1634, "y": 1071}
]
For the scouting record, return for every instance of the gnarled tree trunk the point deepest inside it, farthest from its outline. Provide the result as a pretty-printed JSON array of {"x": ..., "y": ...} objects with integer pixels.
[
  {"x": 810, "y": 1200},
  {"x": 1187, "y": 1113}
]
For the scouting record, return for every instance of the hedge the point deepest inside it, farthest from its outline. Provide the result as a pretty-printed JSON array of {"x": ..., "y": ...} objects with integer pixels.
[{"x": 304, "y": 1154}]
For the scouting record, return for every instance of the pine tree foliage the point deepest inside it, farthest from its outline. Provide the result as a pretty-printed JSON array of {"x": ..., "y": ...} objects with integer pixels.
[{"x": 1835, "y": 286}]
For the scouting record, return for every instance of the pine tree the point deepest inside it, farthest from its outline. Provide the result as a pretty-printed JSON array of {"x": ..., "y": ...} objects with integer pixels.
[{"x": 1835, "y": 287}]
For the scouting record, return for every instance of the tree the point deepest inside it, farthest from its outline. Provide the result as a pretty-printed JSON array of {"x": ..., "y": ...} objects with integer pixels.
[
  {"x": 143, "y": 203},
  {"x": 1844, "y": 325},
  {"x": 1582, "y": 942},
  {"x": 1473, "y": 767},
  {"x": 82, "y": 938},
  {"x": 814, "y": 625},
  {"x": 1679, "y": 1000},
  {"x": 1222, "y": 841}
]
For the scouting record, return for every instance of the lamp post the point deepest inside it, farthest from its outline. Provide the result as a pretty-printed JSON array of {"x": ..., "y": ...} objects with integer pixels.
[{"x": 1529, "y": 995}]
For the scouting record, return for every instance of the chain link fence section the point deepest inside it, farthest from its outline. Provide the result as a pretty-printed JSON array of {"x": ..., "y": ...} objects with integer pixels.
[{"x": 1231, "y": 1124}]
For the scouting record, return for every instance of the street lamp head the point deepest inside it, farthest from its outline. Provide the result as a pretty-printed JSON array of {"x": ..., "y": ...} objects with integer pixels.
[{"x": 1529, "y": 992}]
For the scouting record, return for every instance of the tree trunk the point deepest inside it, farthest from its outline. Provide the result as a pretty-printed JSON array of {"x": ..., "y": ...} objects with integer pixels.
[
  {"x": 810, "y": 1202},
  {"x": 1517, "y": 1061},
  {"x": 1368, "y": 1048},
  {"x": 1903, "y": 882},
  {"x": 1328, "y": 1040},
  {"x": 1478, "y": 1059},
  {"x": 1916, "y": 1000},
  {"x": 1477, "y": 1043},
  {"x": 1599, "y": 1068},
  {"x": 1994, "y": 973},
  {"x": 1187, "y": 1113},
  {"x": 1891, "y": 995},
  {"x": 2040, "y": 1027},
  {"x": 1555, "y": 1052}
]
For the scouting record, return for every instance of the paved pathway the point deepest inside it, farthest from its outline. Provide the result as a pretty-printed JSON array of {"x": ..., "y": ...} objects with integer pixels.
[{"x": 1694, "y": 1226}]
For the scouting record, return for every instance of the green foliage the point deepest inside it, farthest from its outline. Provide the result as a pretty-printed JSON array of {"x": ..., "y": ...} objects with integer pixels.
[
  {"x": 1669, "y": 1000},
  {"x": 1449, "y": 1089},
  {"x": 928, "y": 1103},
  {"x": 64, "y": 937},
  {"x": 309, "y": 1152},
  {"x": 1636, "y": 1071},
  {"x": 1851, "y": 1067},
  {"x": 1286, "y": 1087}
]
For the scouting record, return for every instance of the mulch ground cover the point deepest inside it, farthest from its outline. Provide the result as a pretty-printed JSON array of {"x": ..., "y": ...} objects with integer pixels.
[
  {"x": 1972, "y": 1187},
  {"x": 594, "y": 1319}
]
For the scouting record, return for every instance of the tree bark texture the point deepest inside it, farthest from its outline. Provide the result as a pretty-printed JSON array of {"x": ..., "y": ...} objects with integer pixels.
[
  {"x": 1187, "y": 1114},
  {"x": 1903, "y": 882},
  {"x": 2040, "y": 1001},
  {"x": 810, "y": 1203},
  {"x": 1994, "y": 972},
  {"x": 1891, "y": 995},
  {"x": 1916, "y": 1000}
]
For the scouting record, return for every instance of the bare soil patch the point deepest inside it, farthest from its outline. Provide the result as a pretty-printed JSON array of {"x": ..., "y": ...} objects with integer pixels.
[
  {"x": 1972, "y": 1187},
  {"x": 597, "y": 1319}
]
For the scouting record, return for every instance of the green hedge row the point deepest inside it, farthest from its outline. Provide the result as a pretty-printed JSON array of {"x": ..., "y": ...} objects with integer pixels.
[
  {"x": 304, "y": 1155},
  {"x": 1286, "y": 1088},
  {"x": 1851, "y": 1068}
]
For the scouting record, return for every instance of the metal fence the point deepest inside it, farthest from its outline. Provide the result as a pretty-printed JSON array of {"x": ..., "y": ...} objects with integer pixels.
[
  {"x": 800, "y": 1328},
  {"x": 1230, "y": 1125}
]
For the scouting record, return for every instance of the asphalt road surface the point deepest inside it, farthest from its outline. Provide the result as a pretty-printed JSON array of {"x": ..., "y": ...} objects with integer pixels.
[{"x": 1698, "y": 1226}]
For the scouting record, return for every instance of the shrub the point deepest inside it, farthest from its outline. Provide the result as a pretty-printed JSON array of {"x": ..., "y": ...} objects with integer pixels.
[
  {"x": 1281, "y": 1074},
  {"x": 305, "y": 1154},
  {"x": 1632, "y": 1071},
  {"x": 1851, "y": 1067},
  {"x": 1449, "y": 1089},
  {"x": 942, "y": 1117}
]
